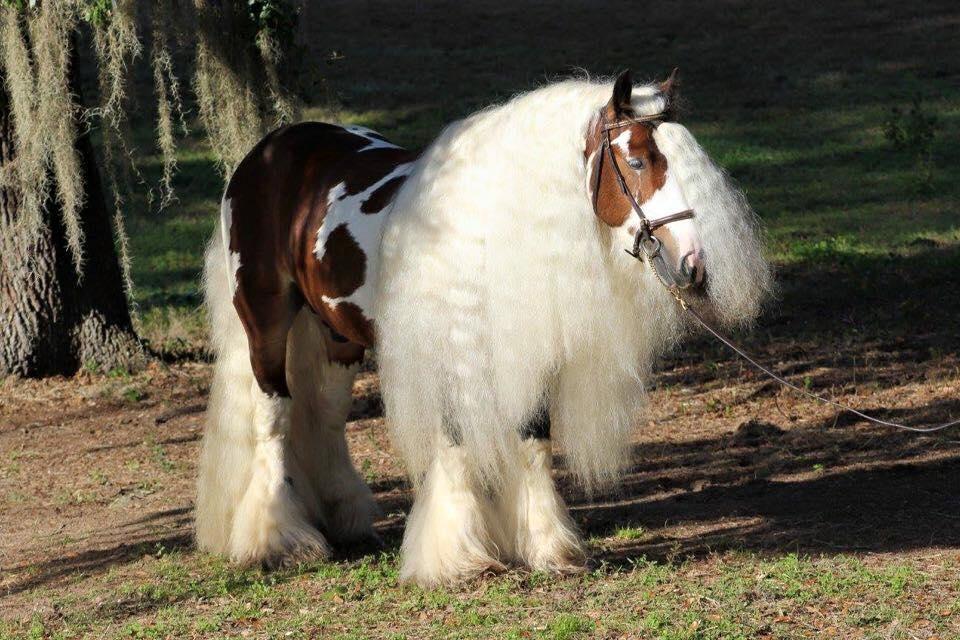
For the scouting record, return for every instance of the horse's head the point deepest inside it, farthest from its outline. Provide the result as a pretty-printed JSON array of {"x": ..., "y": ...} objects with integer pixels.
[{"x": 632, "y": 187}]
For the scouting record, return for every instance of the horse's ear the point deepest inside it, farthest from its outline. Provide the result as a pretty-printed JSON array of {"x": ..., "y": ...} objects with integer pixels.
[
  {"x": 670, "y": 86},
  {"x": 622, "y": 90}
]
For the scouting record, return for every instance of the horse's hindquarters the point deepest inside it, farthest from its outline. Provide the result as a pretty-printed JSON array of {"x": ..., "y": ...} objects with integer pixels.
[
  {"x": 245, "y": 507},
  {"x": 274, "y": 469}
]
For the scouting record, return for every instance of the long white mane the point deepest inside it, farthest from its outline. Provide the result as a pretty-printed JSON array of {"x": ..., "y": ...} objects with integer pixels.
[{"x": 500, "y": 290}]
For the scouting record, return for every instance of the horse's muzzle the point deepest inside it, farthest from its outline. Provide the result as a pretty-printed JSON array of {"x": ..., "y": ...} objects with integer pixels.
[{"x": 692, "y": 270}]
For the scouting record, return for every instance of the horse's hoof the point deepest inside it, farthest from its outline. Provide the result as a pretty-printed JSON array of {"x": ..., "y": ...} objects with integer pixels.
[
  {"x": 370, "y": 542},
  {"x": 463, "y": 572}
]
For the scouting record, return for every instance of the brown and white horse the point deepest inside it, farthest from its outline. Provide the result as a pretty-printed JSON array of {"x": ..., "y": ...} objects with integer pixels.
[{"x": 491, "y": 275}]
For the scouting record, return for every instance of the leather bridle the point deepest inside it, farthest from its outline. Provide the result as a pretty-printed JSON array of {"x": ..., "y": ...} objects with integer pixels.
[{"x": 646, "y": 246}]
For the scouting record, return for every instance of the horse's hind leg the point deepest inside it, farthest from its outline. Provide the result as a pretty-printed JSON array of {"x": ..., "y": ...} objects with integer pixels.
[
  {"x": 270, "y": 524},
  {"x": 321, "y": 370},
  {"x": 539, "y": 530}
]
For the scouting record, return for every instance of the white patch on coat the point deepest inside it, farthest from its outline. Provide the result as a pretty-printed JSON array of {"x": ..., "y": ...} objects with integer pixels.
[
  {"x": 371, "y": 136},
  {"x": 623, "y": 141},
  {"x": 365, "y": 228},
  {"x": 233, "y": 257},
  {"x": 667, "y": 200}
]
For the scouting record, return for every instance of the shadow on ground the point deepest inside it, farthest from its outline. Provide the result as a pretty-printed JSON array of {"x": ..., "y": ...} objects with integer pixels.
[{"x": 855, "y": 491}]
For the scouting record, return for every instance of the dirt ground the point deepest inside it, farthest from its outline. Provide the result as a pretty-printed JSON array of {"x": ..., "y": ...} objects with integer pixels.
[{"x": 97, "y": 472}]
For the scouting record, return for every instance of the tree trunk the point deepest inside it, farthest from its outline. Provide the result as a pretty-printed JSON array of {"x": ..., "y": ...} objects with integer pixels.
[{"x": 55, "y": 321}]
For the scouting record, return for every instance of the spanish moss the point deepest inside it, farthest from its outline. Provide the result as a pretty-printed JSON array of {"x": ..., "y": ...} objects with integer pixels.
[
  {"x": 36, "y": 63},
  {"x": 240, "y": 55}
]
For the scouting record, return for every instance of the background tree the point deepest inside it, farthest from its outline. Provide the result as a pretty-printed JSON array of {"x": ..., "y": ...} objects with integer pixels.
[{"x": 65, "y": 288}]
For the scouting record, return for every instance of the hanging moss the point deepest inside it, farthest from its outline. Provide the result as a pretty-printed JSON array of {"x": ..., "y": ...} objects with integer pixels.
[
  {"x": 36, "y": 65},
  {"x": 117, "y": 47},
  {"x": 28, "y": 174},
  {"x": 58, "y": 115},
  {"x": 166, "y": 85},
  {"x": 275, "y": 23},
  {"x": 238, "y": 54},
  {"x": 241, "y": 52}
]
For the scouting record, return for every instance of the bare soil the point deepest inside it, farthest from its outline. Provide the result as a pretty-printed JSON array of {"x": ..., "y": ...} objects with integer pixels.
[{"x": 97, "y": 472}]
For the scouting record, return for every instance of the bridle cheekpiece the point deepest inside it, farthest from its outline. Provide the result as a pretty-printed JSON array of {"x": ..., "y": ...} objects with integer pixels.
[{"x": 646, "y": 246}]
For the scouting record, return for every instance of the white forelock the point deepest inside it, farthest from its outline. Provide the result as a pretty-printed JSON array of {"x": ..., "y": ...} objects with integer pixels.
[{"x": 500, "y": 290}]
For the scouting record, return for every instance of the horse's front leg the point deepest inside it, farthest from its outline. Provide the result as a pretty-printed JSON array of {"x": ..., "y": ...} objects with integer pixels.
[
  {"x": 452, "y": 532},
  {"x": 539, "y": 530}
]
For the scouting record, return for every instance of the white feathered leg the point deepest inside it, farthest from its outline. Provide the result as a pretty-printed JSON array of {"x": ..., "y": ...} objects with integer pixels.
[
  {"x": 450, "y": 532},
  {"x": 348, "y": 502},
  {"x": 540, "y": 532},
  {"x": 270, "y": 524},
  {"x": 322, "y": 392}
]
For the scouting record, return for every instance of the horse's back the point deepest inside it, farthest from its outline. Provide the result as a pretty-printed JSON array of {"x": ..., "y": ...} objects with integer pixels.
[
  {"x": 287, "y": 177},
  {"x": 303, "y": 206}
]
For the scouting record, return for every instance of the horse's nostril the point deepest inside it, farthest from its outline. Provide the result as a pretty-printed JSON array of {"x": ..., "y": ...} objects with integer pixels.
[
  {"x": 688, "y": 267},
  {"x": 691, "y": 268}
]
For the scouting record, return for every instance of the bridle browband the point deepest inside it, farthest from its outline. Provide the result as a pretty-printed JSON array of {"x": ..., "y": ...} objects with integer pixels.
[
  {"x": 650, "y": 246},
  {"x": 646, "y": 246}
]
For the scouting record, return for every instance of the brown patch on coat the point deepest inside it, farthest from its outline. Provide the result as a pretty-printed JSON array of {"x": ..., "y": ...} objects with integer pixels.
[
  {"x": 340, "y": 349},
  {"x": 351, "y": 323},
  {"x": 610, "y": 203},
  {"x": 342, "y": 270},
  {"x": 279, "y": 198},
  {"x": 383, "y": 196},
  {"x": 370, "y": 167}
]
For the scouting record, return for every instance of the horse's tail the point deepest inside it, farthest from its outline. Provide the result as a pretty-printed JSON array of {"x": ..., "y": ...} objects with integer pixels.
[{"x": 228, "y": 441}]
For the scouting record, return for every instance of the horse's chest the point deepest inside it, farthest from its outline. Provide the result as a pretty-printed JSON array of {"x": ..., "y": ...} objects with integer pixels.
[{"x": 344, "y": 255}]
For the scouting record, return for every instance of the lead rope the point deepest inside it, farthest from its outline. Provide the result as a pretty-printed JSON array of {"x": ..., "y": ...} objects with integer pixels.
[
  {"x": 740, "y": 352},
  {"x": 647, "y": 248}
]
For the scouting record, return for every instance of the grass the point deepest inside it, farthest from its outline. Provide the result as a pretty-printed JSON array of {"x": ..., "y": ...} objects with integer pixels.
[{"x": 734, "y": 595}]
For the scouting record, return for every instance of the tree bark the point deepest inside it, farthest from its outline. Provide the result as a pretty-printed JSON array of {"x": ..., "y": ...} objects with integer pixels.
[{"x": 52, "y": 319}]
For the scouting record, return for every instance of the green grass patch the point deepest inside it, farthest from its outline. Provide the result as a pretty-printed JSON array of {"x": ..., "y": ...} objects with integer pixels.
[{"x": 737, "y": 595}]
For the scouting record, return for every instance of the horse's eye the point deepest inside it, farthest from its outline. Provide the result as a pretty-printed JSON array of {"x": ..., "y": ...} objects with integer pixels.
[{"x": 635, "y": 163}]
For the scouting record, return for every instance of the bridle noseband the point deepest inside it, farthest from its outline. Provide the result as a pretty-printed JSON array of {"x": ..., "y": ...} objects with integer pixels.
[
  {"x": 649, "y": 245},
  {"x": 646, "y": 246}
]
